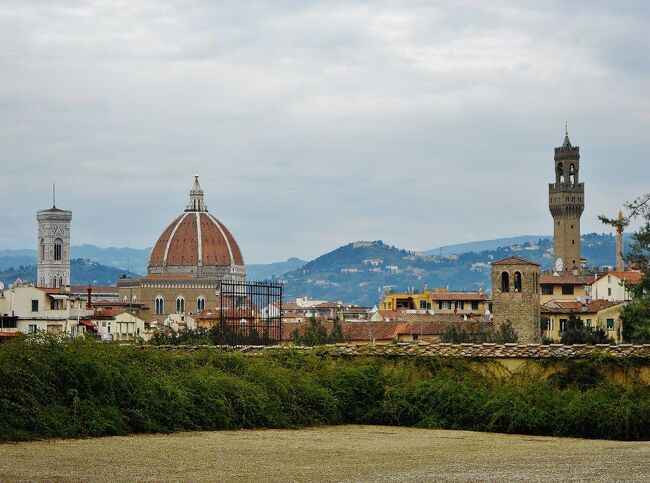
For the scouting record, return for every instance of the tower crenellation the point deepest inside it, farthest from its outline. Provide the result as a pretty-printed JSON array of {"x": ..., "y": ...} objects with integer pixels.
[{"x": 566, "y": 204}]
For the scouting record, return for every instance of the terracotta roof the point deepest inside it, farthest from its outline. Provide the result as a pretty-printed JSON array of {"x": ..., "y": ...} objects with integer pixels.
[
  {"x": 514, "y": 261},
  {"x": 390, "y": 314},
  {"x": 168, "y": 276},
  {"x": 565, "y": 278},
  {"x": 51, "y": 290},
  {"x": 290, "y": 306},
  {"x": 108, "y": 312},
  {"x": 427, "y": 349},
  {"x": 179, "y": 244},
  {"x": 575, "y": 306},
  {"x": 96, "y": 289},
  {"x": 365, "y": 331},
  {"x": 9, "y": 334},
  {"x": 457, "y": 296},
  {"x": 628, "y": 276},
  {"x": 328, "y": 305}
]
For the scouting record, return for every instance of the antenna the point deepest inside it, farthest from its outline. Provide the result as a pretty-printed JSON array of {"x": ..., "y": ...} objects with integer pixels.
[
  {"x": 53, "y": 195},
  {"x": 566, "y": 128}
]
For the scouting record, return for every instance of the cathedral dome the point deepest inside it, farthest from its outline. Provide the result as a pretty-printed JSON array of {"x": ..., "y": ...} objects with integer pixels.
[{"x": 196, "y": 243}]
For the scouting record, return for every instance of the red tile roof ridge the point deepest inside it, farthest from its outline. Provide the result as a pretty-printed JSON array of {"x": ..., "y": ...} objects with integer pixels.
[{"x": 629, "y": 276}]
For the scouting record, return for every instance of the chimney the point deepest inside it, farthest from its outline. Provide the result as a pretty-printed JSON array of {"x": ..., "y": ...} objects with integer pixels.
[{"x": 89, "y": 302}]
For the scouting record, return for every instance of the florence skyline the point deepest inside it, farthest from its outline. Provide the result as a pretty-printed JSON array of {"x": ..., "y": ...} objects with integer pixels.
[{"x": 316, "y": 124}]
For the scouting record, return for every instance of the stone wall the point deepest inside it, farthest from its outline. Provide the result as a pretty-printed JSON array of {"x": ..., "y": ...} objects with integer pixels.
[
  {"x": 527, "y": 351},
  {"x": 501, "y": 361}
]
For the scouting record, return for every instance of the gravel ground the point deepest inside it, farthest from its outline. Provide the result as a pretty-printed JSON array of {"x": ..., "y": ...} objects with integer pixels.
[{"x": 340, "y": 453}]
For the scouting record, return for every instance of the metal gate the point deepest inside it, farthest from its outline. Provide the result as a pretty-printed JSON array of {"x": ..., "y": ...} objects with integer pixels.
[{"x": 250, "y": 313}]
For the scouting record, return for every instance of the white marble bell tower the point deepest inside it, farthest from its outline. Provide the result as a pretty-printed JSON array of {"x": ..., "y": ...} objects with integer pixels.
[{"x": 53, "y": 247}]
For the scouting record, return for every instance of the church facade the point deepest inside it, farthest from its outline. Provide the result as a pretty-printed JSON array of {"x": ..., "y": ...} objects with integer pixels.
[{"x": 192, "y": 256}]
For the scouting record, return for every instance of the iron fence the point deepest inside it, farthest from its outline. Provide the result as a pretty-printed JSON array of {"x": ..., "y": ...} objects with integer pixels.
[{"x": 250, "y": 313}]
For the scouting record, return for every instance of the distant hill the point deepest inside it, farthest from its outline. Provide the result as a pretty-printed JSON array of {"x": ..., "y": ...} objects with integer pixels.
[
  {"x": 84, "y": 272},
  {"x": 482, "y": 245},
  {"x": 264, "y": 271},
  {"x": 360, "y": 272},
  {"x": 134, "y": 259},
  {"x": 357, "y": 272}
]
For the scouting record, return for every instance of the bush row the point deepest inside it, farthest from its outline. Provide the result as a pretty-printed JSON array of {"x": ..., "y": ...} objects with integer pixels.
[{"x": 51, "y": 388}]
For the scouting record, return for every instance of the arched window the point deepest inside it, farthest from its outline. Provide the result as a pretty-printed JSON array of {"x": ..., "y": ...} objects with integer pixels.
[
  {"x": 55, "y": 282},
  {"x": 58, "y": 249},
  {"x": 42, "y": 249},
  {"x": 517, "y": 281},
  {"x": 61, "y": 282},
  {"x": 559, "y": 178},
  {"x": 572, "y": 174},
  {"x": 160, "y": 305},
  {"x": 180, "y": 304},
  {"x": 505, "y": 282},
  {"x": 134, "y": 299},
  {"x": 125, "y": 299},
  {"x": 200, "y": 303}
]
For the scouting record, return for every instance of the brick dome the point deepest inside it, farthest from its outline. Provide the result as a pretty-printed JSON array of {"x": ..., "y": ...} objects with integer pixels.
[{"x": 195, "y": 241}]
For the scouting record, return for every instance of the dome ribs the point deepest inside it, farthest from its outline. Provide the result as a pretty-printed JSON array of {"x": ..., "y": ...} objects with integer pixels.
[
  {"x": 195, "y": 237},
  {"x": 158, "y": 252}
]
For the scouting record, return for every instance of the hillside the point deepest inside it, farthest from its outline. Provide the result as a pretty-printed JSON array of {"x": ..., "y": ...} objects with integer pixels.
[
  {"x": 264, "y": 271},
  {"x": 482, "y": 245},
  {"x": 360, "y": 272},
  {"x": 83, "y": 272},
  {"x": 135, "y": 259}
]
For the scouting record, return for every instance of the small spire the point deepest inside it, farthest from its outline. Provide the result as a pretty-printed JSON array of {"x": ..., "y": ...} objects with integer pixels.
[
  {"x": 196, "y": 197},
  {"x": 566, "y": 143}
]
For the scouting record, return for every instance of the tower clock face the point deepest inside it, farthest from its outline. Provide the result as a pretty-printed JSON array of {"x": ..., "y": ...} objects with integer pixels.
[{"x": 559, "y": 264}]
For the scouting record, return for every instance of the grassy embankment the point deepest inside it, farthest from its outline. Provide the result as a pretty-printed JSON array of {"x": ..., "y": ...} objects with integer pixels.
[{"x": 82, "y": 388}]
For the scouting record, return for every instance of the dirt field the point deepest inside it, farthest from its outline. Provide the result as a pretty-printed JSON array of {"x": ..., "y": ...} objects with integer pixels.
[{"x": 342, "y": 453}]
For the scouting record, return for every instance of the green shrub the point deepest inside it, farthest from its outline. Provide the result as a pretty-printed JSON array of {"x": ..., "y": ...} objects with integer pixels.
[{"x": 60, "y": 388}]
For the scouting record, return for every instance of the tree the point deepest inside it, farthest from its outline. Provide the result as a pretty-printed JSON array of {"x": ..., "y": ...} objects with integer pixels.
[
  {"x": 315, "y": 333},
  {"x": 337, "y": 332},
  {"x": 576, "y": 333},
  {"x": 636, "y": 315}
]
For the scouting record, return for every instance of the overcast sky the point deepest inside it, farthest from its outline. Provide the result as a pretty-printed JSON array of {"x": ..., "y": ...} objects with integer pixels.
[{"x": 313, "y": 124}]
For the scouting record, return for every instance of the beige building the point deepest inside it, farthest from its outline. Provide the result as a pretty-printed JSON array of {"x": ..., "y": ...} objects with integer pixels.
[
  {"x": 40, "y": 309},
  {"x": 440, "y": 300},
  {"x": 563, "y": 286},
  {"x": 187, "y": 264},
  {"x": 612, "y": 286},
  {"x": 118, "y": 325},
  {"x": 596, "y": 314}
]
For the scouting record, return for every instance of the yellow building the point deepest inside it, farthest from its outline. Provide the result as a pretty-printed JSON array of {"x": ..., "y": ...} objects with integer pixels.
[
  {"x": 597, "y": 314},
  {"x": 439, "y": 300},
  {"x": 563, "y": 286}
]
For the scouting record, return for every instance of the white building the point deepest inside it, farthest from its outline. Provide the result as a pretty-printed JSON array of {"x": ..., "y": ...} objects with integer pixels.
[
  {"x": 611, "y": 285},
  {"x": 42, "y": 309}
]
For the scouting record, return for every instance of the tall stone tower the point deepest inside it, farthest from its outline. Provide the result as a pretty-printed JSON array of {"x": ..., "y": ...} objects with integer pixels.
[
  {"x": 516, "y": 291},
  {"x": 53, "y": 247},
  {"x": 620, "y": 247},
  {"x": 566, "y": 198}
]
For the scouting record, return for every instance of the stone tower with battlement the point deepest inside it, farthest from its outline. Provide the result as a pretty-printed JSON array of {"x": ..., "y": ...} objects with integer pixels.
[
  {"x": 53, "y": 248},
  {"x": 566, "y": 199},
  {"x": 516, "y": 294}
]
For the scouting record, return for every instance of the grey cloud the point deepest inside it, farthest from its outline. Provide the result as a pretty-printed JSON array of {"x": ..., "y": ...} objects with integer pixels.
[{"x": 315, "y": 123}]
